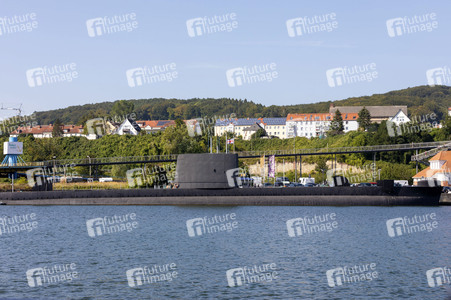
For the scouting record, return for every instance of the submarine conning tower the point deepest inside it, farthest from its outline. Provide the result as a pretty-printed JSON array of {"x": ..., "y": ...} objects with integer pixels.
[{"x": 205, "y": 171}]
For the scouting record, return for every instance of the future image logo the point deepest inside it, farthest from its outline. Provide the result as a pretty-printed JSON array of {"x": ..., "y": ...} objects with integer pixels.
[
  {"x": 408, "y": 25},
  {"x": 309, "y": 25},
  {"x": 153, "y": 74},
  {"x": 309, "y": 225},
  {"x": 18, "y": 223},
  {"x": 438, "y": 76},
  {"x": 51, "y": 75},
  {"x": 351, "y": 274},
  {"x": 438, "y": 276},
  {"x": 50, "y": 275},
  {"x": 249, "y": 75},
  {"x": 112, "y": 24},
  {"x": 408, "y": 225},
  {"x": 108, "y": 225},
  {"x": 251, "y": 274},
  {"x": 208, "y": 225},
  {"x": 18, "y": 23},
  {"x": 209, "y": 25},
  {"x": 353, "y": 74},
  {"x": 154, "y": 274},
  {"x": 234, "y": 177}
]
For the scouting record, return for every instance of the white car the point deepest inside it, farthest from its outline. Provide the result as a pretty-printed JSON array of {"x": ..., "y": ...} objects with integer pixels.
[{"x": 106, "y": 179}]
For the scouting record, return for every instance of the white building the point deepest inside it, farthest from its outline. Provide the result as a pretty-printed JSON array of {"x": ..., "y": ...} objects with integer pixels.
[
  {"x": 46, "y": 131},
  {"x": 316, "y": 125},
  {"x": 378, "y": 113},
  {"x": 154, "y": 126},
  {"x": 128, "y": 127},
  {"x": 439, "y": 169},
  {"x": 274, "y": 127},
  {"x": 399, "y": 118}
]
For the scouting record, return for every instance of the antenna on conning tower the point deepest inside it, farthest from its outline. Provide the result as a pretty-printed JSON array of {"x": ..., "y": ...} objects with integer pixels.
[{"x": 12, "y": 108}]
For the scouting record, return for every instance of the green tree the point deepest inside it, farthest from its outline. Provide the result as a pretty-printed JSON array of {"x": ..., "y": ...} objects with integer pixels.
[
  {"x": 122, "y": 107},
  {"x": 258, "y": 134},
  {"x": 57, "y": 128},
  {"x": 175, "y": 140},
  {"x": 336, "y": 126},
  {"x": 364, "y": 119},
  {"x": 320, "y": 170}
]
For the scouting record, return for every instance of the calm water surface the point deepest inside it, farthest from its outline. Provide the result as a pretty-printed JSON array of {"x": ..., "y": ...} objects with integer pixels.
[{"x": 360, "y": 237}]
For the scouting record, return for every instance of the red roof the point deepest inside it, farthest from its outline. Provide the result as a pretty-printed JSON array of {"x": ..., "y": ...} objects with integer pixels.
[
  {"x": 155, "y": 123},
  {"x": 445, "y": 168},
  {"x": 321, "y": 117},
  {"x": 40, "y": 129}
]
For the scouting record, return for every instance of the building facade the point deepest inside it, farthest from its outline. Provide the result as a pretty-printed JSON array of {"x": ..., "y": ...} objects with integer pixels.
[
  {"x": 378, "y": 113},
  {"x": 46, "y": 131},
  {"x": 439, "y": 169},
  {"x": 155, "y": 125},
  {"x": 316, "y": 125},
  {"x": 274, "y": 127}
]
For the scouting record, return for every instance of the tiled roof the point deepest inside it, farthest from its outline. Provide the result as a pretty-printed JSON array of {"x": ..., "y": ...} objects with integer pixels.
[
  {"x": 225, "y": 122},
  {"x": 375, "y": 111},
  {"x": 442, "y": 155},
  {"x": 155, "y": 123},
  {"x": 253, "y": 127},
  {"x": 247, "y": 122},
  {"x": 250, "y": 121},
  {"x": 445, "y": 168},
  {"x": 274, "y": 121},
  {"x": 41, "y": 129},
  {"x": 321, "y": 117}
]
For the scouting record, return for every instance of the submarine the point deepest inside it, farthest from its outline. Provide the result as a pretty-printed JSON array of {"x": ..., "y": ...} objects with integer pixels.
[{"x": 212, "y": 180}]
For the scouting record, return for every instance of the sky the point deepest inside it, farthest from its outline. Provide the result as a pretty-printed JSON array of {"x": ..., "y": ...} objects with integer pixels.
[{"x": 56, "y": 54}]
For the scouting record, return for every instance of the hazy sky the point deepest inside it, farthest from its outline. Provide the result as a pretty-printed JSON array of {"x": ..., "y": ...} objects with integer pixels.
[{"x": 37, "y": 35}]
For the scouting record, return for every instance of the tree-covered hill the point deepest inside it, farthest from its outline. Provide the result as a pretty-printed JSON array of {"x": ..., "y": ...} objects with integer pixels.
[{"x": 420, "y": 100}]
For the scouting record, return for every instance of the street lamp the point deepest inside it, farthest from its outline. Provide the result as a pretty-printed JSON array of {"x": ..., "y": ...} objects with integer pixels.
[
  {"x": 89, "y": 165},
  {"x": 54, "y": 166}
]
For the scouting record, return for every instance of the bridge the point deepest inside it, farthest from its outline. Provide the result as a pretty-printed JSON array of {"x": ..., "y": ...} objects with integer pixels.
[
  {"x": 422, "y": 156},
  {"x": 126, "y": 160}
]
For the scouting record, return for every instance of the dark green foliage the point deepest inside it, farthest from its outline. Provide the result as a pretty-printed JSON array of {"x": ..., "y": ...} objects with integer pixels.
[
  {"x": 364, "y": 119},
  {"x": 258, "y": 134},
  {"x": 57, "y": 131},
  {"x": 420, "y": 100},
  {"x": 336, "y": 126}
]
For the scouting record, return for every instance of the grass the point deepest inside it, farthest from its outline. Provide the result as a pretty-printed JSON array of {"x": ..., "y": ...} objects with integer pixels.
[
  {"x": 91, "y": 185},
  {"x": 6, "y": 186}
]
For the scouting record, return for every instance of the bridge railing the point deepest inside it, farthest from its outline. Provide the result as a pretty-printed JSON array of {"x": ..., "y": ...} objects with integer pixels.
[
  {"x": 430, "y": 153},
  {"x": 173, "y": 157},
  {"x": 343, "y": 149},
  {"x": 103, "y": 160}
]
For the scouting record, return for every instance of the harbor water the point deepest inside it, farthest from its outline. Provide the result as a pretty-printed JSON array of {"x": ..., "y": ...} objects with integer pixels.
[{"x": 170, "y": 252}]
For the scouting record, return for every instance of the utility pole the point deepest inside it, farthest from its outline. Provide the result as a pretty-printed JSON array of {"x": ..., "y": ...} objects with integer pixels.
[
  {"x": 226, "y": 142},
  {"x": 89, "y": 165},
  {"x": 54, "y": 165}
]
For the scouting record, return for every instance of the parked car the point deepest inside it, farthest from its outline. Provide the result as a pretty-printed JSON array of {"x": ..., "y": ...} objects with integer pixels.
[
  {"x": 105, "y": 179},
  {"x": 281, "y": 179},
  {"x": 310, "y": 184},
  {"x": 364, "y": 184},
  {"x": 446, "y": 189},
  {"x": 401, "y": 183}
]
